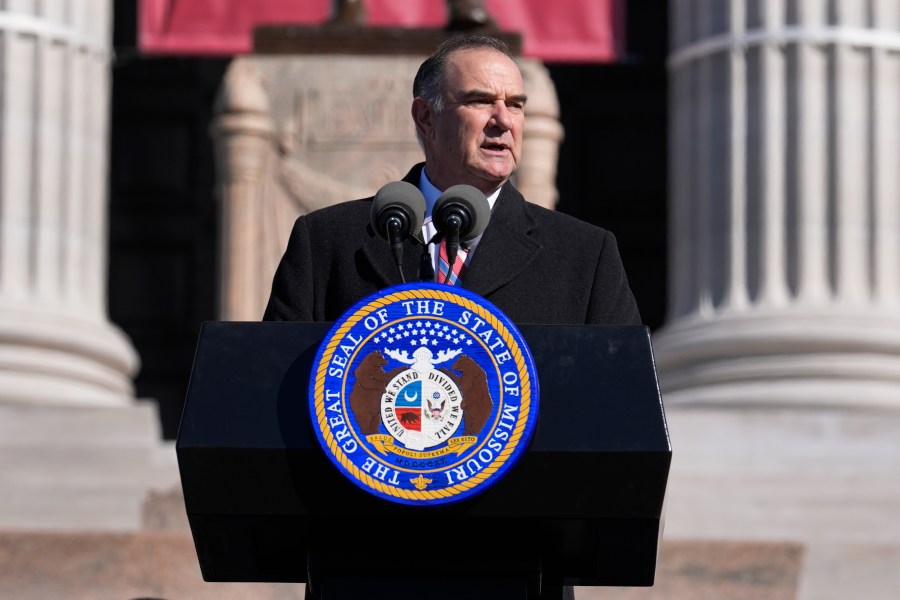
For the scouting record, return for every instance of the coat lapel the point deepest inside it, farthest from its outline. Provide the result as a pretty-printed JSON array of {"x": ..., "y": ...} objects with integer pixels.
[
  {"x": 378, "y": 253},
  {"x": 507, "y": 247}
]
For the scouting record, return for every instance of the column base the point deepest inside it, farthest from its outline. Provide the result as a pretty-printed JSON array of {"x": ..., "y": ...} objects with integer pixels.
[
  {"x": 81, "y": 468},
  {"x": 55, "y": 358},
  {"x": 799, "y": 359}
]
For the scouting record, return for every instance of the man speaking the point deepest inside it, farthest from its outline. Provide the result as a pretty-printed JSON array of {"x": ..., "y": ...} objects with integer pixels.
[{"x": 536, "y": 265}]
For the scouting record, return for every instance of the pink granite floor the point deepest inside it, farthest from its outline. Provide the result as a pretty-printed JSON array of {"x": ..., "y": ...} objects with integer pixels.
[{"x": 163, "y": 564}]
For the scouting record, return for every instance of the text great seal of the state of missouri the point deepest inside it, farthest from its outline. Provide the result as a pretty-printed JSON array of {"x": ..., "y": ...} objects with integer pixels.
[{"x": 423, "y": 394}]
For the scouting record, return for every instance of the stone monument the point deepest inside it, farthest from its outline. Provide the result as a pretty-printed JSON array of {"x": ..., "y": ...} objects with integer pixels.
[{"x": 319, "y": 115}]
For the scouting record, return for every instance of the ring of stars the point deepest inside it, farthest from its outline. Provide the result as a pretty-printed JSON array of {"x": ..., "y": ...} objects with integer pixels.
[{"x": 423, "y": 333}]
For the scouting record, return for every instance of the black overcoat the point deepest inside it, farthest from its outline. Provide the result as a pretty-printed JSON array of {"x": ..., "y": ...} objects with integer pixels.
[{"x": 536, "y": 265}]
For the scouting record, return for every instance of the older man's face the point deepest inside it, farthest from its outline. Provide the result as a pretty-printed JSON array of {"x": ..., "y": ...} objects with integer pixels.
[{"x": 477, "y": 138}]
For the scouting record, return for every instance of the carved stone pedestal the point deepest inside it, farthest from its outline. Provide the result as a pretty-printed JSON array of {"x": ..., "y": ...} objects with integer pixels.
[{"x": 297, "y": 132}]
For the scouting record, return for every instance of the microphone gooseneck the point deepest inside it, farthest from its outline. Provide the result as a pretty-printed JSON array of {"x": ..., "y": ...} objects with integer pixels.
[
  {"x": 453, "y": 224},
  {"x": 398, "y": 211},
  {"x": 398, "y": 229}
]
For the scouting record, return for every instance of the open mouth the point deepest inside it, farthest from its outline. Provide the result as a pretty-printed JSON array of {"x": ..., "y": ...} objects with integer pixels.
[{"x": 494, "y": 147}]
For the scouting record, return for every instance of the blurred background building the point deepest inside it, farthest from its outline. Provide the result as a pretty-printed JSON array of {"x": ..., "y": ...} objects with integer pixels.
[{"x": 744, "y": 153}]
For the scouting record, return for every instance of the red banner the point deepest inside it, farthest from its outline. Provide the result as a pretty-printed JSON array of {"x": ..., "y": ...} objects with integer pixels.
[{"x": 556, "y": 31}]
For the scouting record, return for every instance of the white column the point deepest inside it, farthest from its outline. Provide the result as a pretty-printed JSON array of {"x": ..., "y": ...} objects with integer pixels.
[
  {"x": 785, "y": 203},
  {"x": 812, "y": 165},
  {"x": 56, "y": 344},
  {"x": 885, "y": 171}
]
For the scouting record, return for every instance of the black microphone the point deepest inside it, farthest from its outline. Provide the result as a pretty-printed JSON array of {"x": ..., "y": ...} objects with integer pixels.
[
  {"x": 398, "y": 211},
  {"x": 461, "y": 213}
]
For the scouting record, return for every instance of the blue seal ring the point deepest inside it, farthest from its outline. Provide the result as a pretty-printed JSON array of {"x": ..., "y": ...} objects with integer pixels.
[{"x": 423, "y": 394}]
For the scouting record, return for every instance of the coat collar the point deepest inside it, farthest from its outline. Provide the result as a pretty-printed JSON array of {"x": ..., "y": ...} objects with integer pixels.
[{"x": 507, "y": 246}]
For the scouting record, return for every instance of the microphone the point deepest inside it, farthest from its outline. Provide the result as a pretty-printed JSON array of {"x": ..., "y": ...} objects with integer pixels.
[
  {"x": 460, "y": 214},
  {"x": 398, "y": 211}
]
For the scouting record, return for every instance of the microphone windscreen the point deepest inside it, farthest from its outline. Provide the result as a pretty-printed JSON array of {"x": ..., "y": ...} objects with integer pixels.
[
  {"x": 474, "y": 203},
  {"x": 398, "y": 195}
]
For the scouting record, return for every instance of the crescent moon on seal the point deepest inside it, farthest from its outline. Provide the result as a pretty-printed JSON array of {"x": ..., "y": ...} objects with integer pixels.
[{"x": 406, "y": 397}]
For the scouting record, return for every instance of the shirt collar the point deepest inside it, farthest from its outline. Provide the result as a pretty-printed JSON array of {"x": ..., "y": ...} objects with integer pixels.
[{"x": 431, "y": 194}]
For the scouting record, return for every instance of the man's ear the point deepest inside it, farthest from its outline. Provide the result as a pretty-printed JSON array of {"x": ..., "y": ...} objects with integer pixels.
[{"x": 423, "y": 117}]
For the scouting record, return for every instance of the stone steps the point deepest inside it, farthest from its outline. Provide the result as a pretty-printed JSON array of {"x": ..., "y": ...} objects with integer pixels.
[
  {"x": 115, "y": 566},
  {"x": 80, "y": 468},
  {"x": 49, "y": 566}
]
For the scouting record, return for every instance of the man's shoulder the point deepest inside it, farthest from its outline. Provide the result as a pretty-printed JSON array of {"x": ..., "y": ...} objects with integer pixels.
[
  {"x": 342, "y": 213},
  {"x": 558, "y": 223}
]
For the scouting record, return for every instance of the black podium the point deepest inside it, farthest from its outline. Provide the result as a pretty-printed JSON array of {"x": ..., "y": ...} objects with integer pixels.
[{"x": 583, "y": 506}]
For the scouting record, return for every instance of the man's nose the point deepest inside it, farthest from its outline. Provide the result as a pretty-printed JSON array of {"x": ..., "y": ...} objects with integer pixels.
[{"x": 501, "y": 115}]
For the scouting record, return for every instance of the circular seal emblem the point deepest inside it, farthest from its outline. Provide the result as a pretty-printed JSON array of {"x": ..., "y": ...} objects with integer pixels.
[{"x": 424, "y": 394}]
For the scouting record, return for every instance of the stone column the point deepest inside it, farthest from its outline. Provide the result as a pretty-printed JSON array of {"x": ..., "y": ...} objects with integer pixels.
[
  {"x": 536, "y": 175},
  {"x": 56, "y": 343},
  {"x": 785, "y": 204},
  {"x": 243, "y": 135}
]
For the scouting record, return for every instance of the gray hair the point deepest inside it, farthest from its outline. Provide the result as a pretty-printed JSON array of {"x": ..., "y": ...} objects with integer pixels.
[{"x": 429, "y": 81}]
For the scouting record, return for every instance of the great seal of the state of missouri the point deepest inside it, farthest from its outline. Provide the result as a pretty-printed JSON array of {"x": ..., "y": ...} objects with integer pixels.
[{"x": 423, "y": 394}]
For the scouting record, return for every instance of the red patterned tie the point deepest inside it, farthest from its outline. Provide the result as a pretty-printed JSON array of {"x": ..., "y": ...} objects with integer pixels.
[{"x": 443, "y": 262}]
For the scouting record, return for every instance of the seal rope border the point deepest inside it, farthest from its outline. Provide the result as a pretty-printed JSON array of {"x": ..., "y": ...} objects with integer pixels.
[{"x": 471, "y": 482}]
